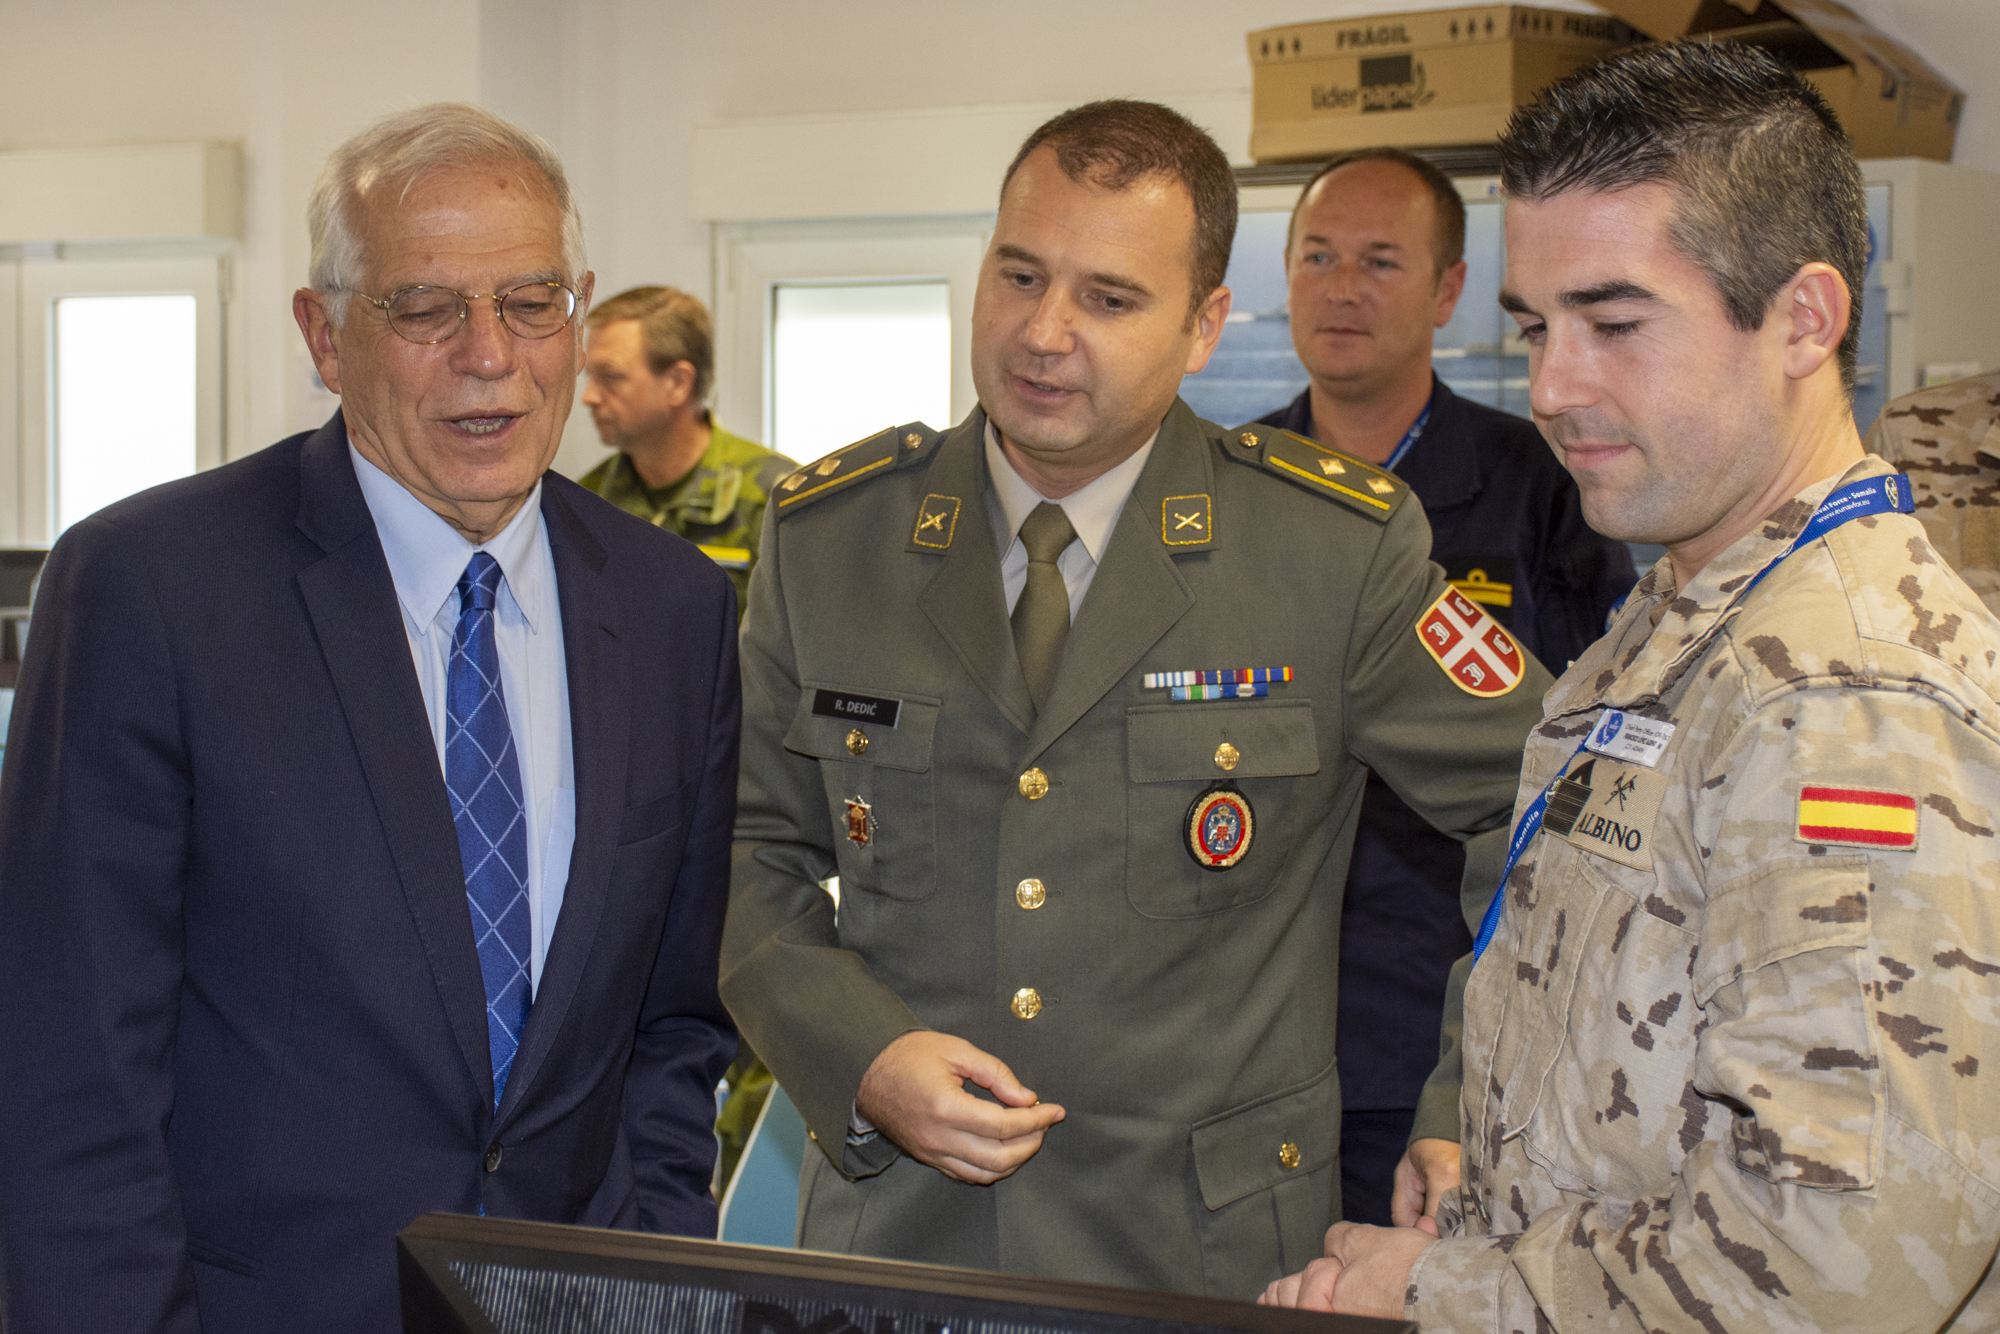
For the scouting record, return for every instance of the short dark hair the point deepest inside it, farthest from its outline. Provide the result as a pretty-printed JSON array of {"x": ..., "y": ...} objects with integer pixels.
[
  {"x": 1448, "y": 243},
  {"x": 1113, "y": 143},
  {"x": 1763, "y": 178},
  {"x": 674, "y": 327}
]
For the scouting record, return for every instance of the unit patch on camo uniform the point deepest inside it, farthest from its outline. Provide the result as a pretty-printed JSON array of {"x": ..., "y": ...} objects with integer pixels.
[
  {"x": 1478, "y": 655},
  {"x": 1857, "y": 817},
  {"x": 1618, "y": 813}
]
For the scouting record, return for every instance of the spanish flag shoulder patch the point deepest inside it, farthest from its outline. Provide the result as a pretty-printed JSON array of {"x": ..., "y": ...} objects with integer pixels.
[{"x": 1857, "y": 817}]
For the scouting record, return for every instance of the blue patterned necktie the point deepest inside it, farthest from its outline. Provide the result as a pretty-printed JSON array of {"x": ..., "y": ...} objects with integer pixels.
[{"x": 484, "y": 776}]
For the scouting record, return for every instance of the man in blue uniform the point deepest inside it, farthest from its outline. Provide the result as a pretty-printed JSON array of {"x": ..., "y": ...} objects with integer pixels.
[{"x": 1374, "y": 264}]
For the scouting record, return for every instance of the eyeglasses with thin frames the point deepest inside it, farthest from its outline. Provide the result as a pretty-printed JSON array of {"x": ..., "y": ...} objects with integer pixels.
[{"x": 425, "y": 314}]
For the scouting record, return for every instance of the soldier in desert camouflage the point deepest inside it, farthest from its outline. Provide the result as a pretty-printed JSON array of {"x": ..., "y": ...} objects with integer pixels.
[
  {"x": 1947, "y": 441},
  {"x": 1726, "y": 1052}
]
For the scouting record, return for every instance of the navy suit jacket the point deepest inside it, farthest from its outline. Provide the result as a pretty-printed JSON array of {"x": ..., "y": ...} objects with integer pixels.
[{"x": 242, "y": 1027}]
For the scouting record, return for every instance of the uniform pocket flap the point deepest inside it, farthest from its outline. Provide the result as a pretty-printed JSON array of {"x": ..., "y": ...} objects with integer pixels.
[
  {"x": 1785, "y": 907},
  {"x": 1254, "y": 1147},
  {"x": 1173, "y": 743},
  {"x": 830, "y": 725}
]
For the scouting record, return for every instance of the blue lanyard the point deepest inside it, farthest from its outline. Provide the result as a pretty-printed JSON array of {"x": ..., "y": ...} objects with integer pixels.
[
  {"x": 1870, "y": 495},
  {"x": 1403, "y": 446}
]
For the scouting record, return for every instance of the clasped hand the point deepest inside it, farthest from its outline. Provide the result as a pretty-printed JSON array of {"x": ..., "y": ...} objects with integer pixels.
[
  {"x": 914, "y": 1092},
  {"x": 1366, "y": 1270}
]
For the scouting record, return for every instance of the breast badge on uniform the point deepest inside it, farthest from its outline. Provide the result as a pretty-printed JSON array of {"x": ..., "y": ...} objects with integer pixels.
[
  {"x": 1630, "y": 737},
  {"x": 1478, "y": 655},
  {"x": 1857, "y": 817},
  {"x": 860, "y": 822},
  {"x": 1219, "y": 826}
]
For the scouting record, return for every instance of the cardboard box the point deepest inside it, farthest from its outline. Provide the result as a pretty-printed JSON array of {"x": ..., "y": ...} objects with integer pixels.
[
  {"x": 1427, "y": 79},
  {"x": 1889, "y": 98}
]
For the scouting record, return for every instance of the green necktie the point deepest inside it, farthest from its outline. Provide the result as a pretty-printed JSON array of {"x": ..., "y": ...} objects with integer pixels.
[{"x": 1041, "y": 616}]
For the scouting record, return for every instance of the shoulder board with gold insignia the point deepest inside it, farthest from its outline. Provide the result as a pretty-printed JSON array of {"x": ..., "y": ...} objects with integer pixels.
[
  {"x": 883, "y": 452},
  {"x": 1326, "y": 472}
]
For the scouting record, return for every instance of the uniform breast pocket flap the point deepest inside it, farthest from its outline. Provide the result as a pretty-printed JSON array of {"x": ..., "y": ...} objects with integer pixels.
[
  {"x": 874, "y": 751},
  {"x": 1213, "y": 810},
  {"x": 1176, "y": 743},
  {"x": 872, "y": 727}
]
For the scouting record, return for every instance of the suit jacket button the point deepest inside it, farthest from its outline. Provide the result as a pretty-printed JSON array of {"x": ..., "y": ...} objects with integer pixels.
[
  {"x": 1288, "y": 1154},
  {"x": 1034, "y": 785},
  {"x": 1031, "y": 894},
  {"x": 493, "y": 1157},
  {"x": 1027, "y": 1002}
]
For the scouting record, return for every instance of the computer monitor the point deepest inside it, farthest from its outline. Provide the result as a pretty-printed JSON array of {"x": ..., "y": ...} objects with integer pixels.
[{"x": 464, "y": 1275}]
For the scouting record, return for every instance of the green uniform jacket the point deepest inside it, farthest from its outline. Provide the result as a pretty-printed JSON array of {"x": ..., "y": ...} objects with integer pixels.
[
  {"x": 719, "y": 506},
  {"x": 1187, "y": 1015}
]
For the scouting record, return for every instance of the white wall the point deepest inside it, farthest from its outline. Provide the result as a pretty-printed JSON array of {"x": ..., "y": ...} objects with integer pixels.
[
  {"x": 620, "y": 85},
  {"x": 287, "y": 80}
]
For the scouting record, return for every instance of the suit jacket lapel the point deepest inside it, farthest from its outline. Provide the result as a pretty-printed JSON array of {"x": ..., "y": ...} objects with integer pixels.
[
  {"x": 1137, "y": 594},
  {"x": 965, "y": 600},
  {"x": 352, "y": 603},
  {"x": 599, "y": 704}
]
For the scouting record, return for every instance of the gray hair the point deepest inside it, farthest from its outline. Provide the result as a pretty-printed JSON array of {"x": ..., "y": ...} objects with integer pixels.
[{"x": 394, "y": 153}]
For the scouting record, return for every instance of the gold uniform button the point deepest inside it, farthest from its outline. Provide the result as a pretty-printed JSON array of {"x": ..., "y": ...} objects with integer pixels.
[
  {"x": 857, "y": 742},
  {"x": 1288, "y": 1154},
  {"x": 1226, "y": 757},
  {"x": 1248, "y": 440},
  {"x": 1031, "y": 894},
  {"x": 1034, "y": 785},
  {"x": 912, "y": 440},
  {"x": 1027, "y": 1002}
]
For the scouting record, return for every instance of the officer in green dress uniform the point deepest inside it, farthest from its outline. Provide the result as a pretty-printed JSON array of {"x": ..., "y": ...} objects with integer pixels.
[
  {"x": 651, "y": 360},
  {"x": 1078, "y": 699}
]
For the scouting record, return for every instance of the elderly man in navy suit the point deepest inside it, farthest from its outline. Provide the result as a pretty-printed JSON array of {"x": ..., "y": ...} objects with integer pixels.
[{"x": 364, "y": 830}]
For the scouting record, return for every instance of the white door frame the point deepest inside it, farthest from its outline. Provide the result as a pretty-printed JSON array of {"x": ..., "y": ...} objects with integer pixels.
[{"x": 11, "y": 411}]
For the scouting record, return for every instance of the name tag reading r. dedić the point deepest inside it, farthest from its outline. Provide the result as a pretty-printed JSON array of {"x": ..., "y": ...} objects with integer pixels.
[{"x": 852, "y": 708}]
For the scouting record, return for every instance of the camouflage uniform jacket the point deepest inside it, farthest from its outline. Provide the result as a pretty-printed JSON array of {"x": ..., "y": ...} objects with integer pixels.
[
  {"x": 1722, "y": 1072},
  {"x": 1948, "y": 440},
  {"x": 719, "y": 506}
]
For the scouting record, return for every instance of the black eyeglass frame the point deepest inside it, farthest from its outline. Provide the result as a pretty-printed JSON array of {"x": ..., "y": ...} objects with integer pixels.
[{"x": 465, "y": 300}]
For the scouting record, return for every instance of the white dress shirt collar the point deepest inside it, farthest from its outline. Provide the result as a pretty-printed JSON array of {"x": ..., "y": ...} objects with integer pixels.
[
  {"x": 1092, "y": 509},
  {"x": 427, "y": 556}
]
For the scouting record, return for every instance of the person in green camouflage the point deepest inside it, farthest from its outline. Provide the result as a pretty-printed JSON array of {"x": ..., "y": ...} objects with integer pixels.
[{"x": 651, "y": 360}]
